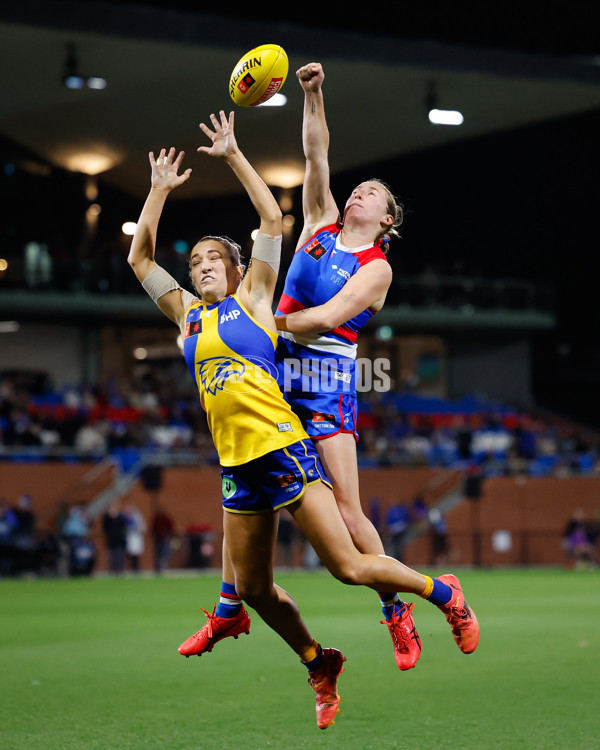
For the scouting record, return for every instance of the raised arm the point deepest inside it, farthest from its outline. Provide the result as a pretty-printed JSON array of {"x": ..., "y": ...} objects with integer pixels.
[
  {"x": 317, "y": 201},
  {"x": 164, "y": 178},
  {"x": 259, "y": 282}
]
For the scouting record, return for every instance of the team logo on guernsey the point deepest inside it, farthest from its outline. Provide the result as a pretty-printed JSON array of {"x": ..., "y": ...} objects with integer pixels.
[
  {"x": 235, "y": 375},
  {"x": 315, "y": 250},
  {"x": 215, "y": 372}
]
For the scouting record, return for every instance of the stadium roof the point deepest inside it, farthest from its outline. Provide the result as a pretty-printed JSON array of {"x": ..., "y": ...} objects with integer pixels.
[{"x": 167, "y": 68}]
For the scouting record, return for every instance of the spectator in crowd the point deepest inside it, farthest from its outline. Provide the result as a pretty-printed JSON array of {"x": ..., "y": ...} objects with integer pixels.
[
  {"x": 163, "y": 531},
  {"x": 82, "y": 550},
  {"x": 201, "y": 538},
  {"x": 439, "y": 537},
  {"x": 8, "y": 527},
  {"x": 75, "y": 524},
  {"x": 24, "y": 542},
  {"x": 418, "y": 509},
  {"x": 111, "y": 417},
  {"x": 398, "y": 521},
  {"x": 135, "y": 536},
  {"x": 464, "y": 439},
  {"x": 114, "y": 525},
  {"x": 576, "y": 541},
  {"x": 93, "y": 437}
]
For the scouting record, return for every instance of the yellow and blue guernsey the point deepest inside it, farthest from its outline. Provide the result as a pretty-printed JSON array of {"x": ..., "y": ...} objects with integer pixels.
[{"x": 232, "y": 359}]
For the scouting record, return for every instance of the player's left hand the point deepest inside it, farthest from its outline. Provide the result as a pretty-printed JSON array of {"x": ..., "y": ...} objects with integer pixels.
[{"x": 222, "y": 137}]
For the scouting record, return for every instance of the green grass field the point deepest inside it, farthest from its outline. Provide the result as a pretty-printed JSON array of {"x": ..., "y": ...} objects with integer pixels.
[{"x": 93, "y": 664}]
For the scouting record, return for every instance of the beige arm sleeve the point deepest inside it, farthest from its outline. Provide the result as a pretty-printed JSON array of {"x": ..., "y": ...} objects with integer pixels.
[
  {"x": 268, "y": 249},
  {"x": 160, "y": 282}
]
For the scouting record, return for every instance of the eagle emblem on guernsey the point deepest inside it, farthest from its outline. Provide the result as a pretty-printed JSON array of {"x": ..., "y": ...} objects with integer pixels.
[{"x": 216, "y": 371}]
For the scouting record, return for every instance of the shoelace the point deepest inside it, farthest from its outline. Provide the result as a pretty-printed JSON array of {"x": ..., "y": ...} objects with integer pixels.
[
  {"x": 210, "y": 616},
  {"x": 459, "y": 612},
  {"x": 399, "y": 635}
]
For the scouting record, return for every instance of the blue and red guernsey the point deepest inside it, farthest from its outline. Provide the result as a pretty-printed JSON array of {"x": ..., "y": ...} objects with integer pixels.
[{"x": 319, "y": 269}]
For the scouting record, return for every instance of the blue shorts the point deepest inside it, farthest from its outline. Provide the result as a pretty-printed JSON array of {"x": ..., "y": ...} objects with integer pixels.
[
  {"x": 325, "y": 414},
  {"x": 271, "y": 481},
  {"x": 321, "y": 389}
]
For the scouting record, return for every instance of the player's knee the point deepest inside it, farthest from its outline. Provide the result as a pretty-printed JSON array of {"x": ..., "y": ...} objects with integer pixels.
[
  {"x": 349, "y": 572},
  {"x": 354, "y": 518}
]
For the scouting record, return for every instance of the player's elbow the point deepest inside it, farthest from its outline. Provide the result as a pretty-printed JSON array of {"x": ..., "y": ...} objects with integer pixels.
[
  {"x": 272, "y": 223},
  {"x": 326, "y": 320},
  {"x": 135, "y": 256}
]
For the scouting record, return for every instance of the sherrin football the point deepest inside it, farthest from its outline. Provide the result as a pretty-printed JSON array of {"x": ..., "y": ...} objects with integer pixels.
[{"x": 258, "y": 75}]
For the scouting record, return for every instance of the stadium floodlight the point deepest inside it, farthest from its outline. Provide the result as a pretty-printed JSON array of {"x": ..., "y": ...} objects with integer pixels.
[
  {"x": 74, "y": 81},
  {"x": 445, "y": 117},
  {"x": 96, "y": 82},
  {"x": 72, "y": 77},
  {"x": 438, "y": 116}
]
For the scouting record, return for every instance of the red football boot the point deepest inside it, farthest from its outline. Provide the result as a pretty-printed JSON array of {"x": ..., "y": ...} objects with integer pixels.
[
  {"x": 324, "y": 682},
  {"x": 214, "y": 631},
  {"x": 407, "y": 644},
  {"x": 460, "y": 616}
]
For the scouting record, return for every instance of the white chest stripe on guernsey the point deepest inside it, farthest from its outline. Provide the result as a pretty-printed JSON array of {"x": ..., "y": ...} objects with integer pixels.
[
  {"x": 323, "y": 344},
  {"x": 344, "y": 249}
]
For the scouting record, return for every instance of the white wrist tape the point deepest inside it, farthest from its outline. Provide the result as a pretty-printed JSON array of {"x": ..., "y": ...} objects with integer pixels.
[
  {"x": 158, "y": 283},
  {"x": 268, "y": 249}
]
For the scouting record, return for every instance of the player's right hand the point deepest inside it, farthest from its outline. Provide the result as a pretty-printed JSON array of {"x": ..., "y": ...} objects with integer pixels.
[
  {"x": 165, "y": 168},
  {"x": 311, "y": 76}
]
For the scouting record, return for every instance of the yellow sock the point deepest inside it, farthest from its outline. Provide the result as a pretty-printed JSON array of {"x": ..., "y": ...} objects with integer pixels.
[
  {"x": 311, "y": 653},
  {"x": 426, "y": 593}
]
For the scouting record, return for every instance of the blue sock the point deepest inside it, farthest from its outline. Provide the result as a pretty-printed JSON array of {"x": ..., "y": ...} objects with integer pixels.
[
  {"x": 314, "y": 656},
  {"x": 229, "y": 602},
  {"x": 437, "y": 592},
  {"x": 391, "y": 604}
]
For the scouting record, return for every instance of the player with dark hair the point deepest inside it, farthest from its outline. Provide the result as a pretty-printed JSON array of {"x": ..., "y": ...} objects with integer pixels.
[
  {"x": 337, "y": 281},
  {"x": 230, "y": 340}
]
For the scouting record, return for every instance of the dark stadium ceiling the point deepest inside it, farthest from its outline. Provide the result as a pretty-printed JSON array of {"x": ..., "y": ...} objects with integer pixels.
[{"x": 167, "y": 68}]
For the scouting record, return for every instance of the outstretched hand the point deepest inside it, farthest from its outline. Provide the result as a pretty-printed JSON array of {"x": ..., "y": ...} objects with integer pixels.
[
  {"x": 222, "y": 137},
  {"x": 311, "y": 76},
  {"x": 165, "y": 169}
]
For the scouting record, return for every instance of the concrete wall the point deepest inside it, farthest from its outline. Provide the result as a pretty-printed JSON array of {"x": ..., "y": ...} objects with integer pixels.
[{"x": 532, "y": 512}]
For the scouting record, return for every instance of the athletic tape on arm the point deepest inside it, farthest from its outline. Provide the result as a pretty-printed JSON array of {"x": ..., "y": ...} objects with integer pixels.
[
  {"x": 160, "y": 282},
  {"x": 268, "y": 249}
]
